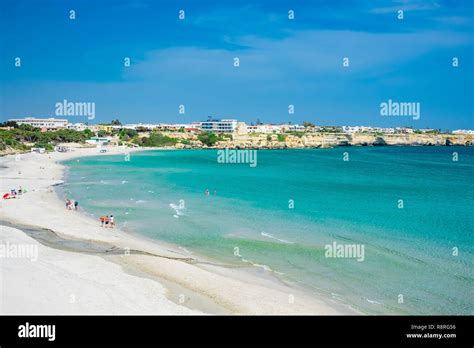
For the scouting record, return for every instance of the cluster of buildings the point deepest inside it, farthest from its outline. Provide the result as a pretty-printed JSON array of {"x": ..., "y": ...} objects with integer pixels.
[
  {"x": 217, "y": 126},
  {"x": 366, "y": 129},
  {"x": 47, "y": 123}
]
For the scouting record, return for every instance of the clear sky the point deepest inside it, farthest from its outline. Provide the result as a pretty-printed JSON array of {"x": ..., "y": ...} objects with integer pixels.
[{"x": 282, "y": 61}]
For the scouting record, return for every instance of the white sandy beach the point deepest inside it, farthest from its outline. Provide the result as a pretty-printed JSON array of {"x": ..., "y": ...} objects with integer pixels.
[{"x": 165, "y": 281}]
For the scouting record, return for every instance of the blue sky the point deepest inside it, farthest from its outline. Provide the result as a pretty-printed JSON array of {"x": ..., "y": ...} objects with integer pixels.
[{"x": 282, "y": 61}]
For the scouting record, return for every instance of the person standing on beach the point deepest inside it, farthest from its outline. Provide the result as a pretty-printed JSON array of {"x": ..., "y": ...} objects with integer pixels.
[
  {"x": 102, "y": 221},
  {"x": 112, "y": 221},
  {"x": 76, "y": 203},
  {"x": 106, "y": 221}
]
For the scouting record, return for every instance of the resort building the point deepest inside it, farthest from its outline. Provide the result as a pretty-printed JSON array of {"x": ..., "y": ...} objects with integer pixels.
[
  {"x": 46, "y": 123},
  {"x": 219, "y": 126}
]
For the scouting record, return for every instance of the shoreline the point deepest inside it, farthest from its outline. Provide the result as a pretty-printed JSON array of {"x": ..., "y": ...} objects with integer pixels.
[{"x": 186, "y": 287}]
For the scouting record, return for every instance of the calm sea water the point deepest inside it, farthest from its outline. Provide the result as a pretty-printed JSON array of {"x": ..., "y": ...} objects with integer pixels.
[{"x": 408, "y": 250}]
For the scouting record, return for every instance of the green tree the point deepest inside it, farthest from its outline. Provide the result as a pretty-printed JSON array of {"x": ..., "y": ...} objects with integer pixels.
[
  {"x": 156, "y": 140},
  {"x": 9, "y": 124},
  {"x": 102, "y": 133},
  {"x": 26, "y": 127},
  {"x": 207, "y": 138},
  {"x": 127, "y": 134},
  {"x": 46, "y": 146},
  {"x": 87, "y": 133}
]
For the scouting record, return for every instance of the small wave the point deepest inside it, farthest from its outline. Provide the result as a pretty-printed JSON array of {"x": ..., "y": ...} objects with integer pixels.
[
  {"x": 268, "y": 235},
  {"x": 103, "y": 182},
  {"x": 140, "y": 201},
  {"x": 151, "y": 191},
  {"x": 372, "y": 301},
  {"x": 124, "y": 182},
  {"x": 264, "y": 267},
  {"x": 178, "y": 209}
]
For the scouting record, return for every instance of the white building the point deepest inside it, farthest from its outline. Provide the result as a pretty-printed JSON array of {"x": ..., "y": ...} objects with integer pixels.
[
  {"x": 463, "y": 131},
  {"x": 219, "y": 126},
  {"x": 404, "y": 130},
  {"x": 175, "y": 126},
  {"x": 361, "y": 129},
  {"x": 264, "y": 128},
  {"x": 351, "y": 129},
  {"x": 98, "y": 141},
  {"x": 136, "y": 126},
  {"x": 77, "y": 126},
  {"x": 49, "y": 123},
  {"x": 295, "y": 128}
]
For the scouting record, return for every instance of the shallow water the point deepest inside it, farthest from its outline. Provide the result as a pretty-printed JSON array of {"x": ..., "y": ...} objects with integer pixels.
[{"x": 280, "y": 215}]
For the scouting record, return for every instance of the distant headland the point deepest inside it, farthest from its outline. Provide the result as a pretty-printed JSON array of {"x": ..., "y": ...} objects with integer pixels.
[{"x": 20, "y": 135}]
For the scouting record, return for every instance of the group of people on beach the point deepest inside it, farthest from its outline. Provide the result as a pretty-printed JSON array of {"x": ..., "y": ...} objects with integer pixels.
[
  {"x": 107, "y": 221},
  {"x": 14, "y": 193},
  {"x": 71, "y": 204}
]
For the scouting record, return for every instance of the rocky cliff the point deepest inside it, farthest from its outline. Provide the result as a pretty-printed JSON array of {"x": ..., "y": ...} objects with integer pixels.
[{"x": 322, "y": 140}]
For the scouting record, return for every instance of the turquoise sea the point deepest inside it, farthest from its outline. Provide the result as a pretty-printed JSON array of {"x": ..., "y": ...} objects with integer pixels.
[{"x": 410, "y": 207}]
